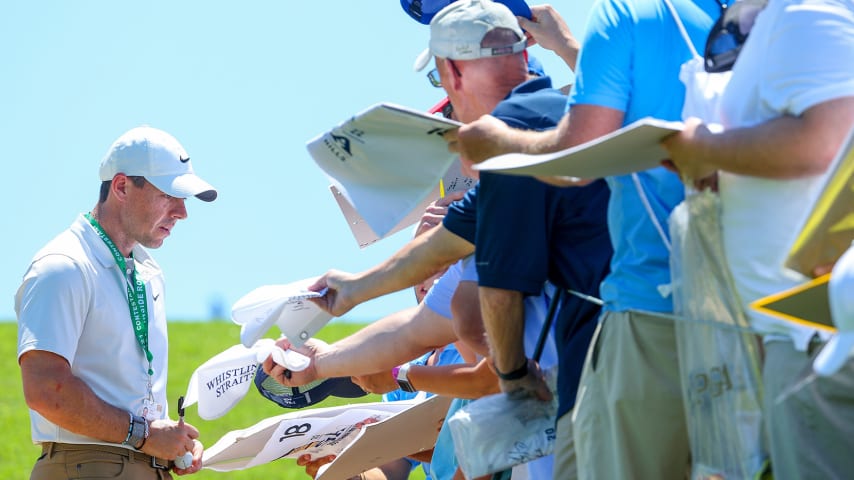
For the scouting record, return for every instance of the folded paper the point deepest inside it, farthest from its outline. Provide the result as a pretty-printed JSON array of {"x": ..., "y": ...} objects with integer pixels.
[
  {"x": 633, "y": 148},
  {"x": 385, "y": 161}
]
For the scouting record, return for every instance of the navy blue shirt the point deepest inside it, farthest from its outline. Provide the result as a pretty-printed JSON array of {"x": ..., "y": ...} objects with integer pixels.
[{"x": 526, "y": 232}]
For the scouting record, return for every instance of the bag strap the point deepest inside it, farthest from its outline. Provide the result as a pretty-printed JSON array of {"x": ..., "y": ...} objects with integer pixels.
[
  {"x": 682, "y": 29},
  {"x": 648, "y": 207},
  {"x": 547, "y": 324}
]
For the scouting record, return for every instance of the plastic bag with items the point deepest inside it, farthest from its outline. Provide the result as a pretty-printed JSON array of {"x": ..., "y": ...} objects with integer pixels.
[
  {"x": 718, "y": 354},
  {"x": 497, "y": 432}
]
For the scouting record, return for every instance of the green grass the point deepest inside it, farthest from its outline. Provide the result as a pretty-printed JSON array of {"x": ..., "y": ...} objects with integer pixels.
[{"x": 191, "y": 344}]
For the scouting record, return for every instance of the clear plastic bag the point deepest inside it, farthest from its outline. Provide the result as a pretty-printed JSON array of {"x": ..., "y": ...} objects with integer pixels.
[
  {"x": 718, "y": 354},
  {"x": 497, "y": 432}
]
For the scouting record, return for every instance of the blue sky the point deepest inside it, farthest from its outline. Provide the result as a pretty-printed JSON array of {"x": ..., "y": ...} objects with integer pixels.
[{"x": 243, "y": 86}]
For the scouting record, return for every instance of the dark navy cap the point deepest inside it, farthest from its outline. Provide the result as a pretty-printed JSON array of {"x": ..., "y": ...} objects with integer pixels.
[
  {"x": 311, "y": 394},
  {"x": 423, "y": 11}
]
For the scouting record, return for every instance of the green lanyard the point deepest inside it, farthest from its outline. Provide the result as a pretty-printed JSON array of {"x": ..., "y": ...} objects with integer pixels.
[{"x": 137, "y": 301}]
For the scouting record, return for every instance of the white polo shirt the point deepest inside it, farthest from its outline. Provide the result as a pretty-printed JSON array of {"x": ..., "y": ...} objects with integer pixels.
[
  {"x": 760, "y": 216},
  {"x": 73, "y": 302}
]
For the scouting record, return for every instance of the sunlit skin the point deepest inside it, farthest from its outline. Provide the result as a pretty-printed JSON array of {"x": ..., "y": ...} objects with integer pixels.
[
  {"x": 132, "y": 214},
  {"x": 138, "y": 215}
]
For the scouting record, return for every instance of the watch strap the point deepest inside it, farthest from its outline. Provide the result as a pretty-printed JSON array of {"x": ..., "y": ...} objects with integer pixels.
[
  {"x": 515, "y": 374},
  {"x": 402, "y": 377}
]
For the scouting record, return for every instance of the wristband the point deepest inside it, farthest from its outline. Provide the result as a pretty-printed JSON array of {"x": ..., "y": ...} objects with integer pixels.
[
  {"x": 145, "y": 436},
  {"x": 515, "y": 374},
  {"x": 136, "y": 431},
  {"x": 130, "y": 429}
]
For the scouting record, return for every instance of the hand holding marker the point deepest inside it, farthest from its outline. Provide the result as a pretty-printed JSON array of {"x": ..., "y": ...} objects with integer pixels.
[{"x": 185, "y": 460}]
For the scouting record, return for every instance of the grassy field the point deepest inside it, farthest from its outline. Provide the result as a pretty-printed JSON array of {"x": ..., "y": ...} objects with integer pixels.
[{"x": 191, "y": 344}]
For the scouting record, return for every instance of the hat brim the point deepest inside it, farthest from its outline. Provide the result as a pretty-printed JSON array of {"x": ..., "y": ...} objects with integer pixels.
[
  {"x": 307, "y": 395},
  {"x": 835, "y": 353},
  {"x": 427, "y": 10},
  {"x": 422, "y": 60},
  {"x": 184, "y": 186},
  {"x": 296, "y": 317}
]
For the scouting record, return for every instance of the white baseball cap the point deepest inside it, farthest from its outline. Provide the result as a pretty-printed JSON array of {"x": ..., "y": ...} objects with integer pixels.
[
  {"x": 457, "y": 31},
  {"x": 283, "y": 305},
  {"x": 154, "y": 154},
  {"x": 840, "y": 291}
]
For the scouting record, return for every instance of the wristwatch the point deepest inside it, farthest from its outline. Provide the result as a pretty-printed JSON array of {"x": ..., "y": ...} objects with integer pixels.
[{"x": 400, "y": 375}]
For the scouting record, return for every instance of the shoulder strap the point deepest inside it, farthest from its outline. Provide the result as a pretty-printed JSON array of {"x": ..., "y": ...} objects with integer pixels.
[{"x": 681, "y": 28}]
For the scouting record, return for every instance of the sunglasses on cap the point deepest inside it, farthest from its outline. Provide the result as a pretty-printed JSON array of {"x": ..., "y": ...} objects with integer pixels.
[{"x": 729, "y": 34}]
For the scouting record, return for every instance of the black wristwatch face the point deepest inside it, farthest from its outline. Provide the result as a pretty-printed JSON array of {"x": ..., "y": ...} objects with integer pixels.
[{"x": 405, "y": 386}]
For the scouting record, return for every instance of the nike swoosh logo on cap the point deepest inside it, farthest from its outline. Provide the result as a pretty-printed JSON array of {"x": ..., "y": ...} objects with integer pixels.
[{"x": 183, "y": 160}]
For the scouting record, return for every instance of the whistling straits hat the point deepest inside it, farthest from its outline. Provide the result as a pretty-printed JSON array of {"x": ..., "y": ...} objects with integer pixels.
[
  {"x": 154, "y": 154},
  {"x": 311, "y": 394},
  {"x": 457, "y": 31},
  {"x": 423, "y": 11},
  {"x": 840, "y": 292}
]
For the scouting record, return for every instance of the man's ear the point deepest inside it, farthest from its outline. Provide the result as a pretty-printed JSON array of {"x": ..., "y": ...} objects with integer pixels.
[
  {"x": 456, "y": 76},
  {"x": 119, "y": 186}
]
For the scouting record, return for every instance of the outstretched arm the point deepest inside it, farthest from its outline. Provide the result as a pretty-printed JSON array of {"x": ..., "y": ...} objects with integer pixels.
[
  {"x": 488, "y": 136},
  {"x": 380, "y": 346},
  {"x": 421, "y": 258},
  {"x": 785, "y": 147}
]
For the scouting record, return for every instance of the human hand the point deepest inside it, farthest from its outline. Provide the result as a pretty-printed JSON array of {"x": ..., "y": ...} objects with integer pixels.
[
  {"x": 548, "y": 29},
  {"x": 171, "y": 439},
  {"x": 533, "y": 383},
  {"x": 479, "y": 140},
  {"x": 685, "y": 153},
  {"x": 290, "y": 378},
  {"x": 312, "y": 466},
  {"x": 820, "y": 270},
  {"x": 379, "y": 383},
  {"x": 198, "y": 450},
  {"x": 338, "y": 299},
  {"x": 436, "y": 211}
]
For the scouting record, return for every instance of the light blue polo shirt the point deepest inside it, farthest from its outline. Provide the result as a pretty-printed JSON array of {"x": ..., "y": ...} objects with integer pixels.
[{"x": 642, "y": 82}]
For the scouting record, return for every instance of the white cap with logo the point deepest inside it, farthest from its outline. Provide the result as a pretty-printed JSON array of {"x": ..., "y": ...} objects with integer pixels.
[
  {"x": 456, "y": 32},
  {"x": 154, "y": 154}
]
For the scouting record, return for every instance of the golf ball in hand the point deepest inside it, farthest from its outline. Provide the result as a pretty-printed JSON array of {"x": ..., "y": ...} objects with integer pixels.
[{"x": 184, "y": 461}]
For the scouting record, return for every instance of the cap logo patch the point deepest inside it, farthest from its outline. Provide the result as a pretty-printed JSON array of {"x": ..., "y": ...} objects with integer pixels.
[{"x": 183, "y": 159}]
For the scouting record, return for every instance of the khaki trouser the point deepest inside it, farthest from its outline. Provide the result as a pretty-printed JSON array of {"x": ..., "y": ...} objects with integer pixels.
[
  {"x": 68, "y": 461},
  {"x": 565, "y": 465},
  {"x": 809, "y": 418},
  {"x": 629, "y": 420}
]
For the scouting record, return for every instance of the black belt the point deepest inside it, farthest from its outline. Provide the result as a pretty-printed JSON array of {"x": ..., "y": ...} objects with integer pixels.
[{"x": 158, "y": 463}]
